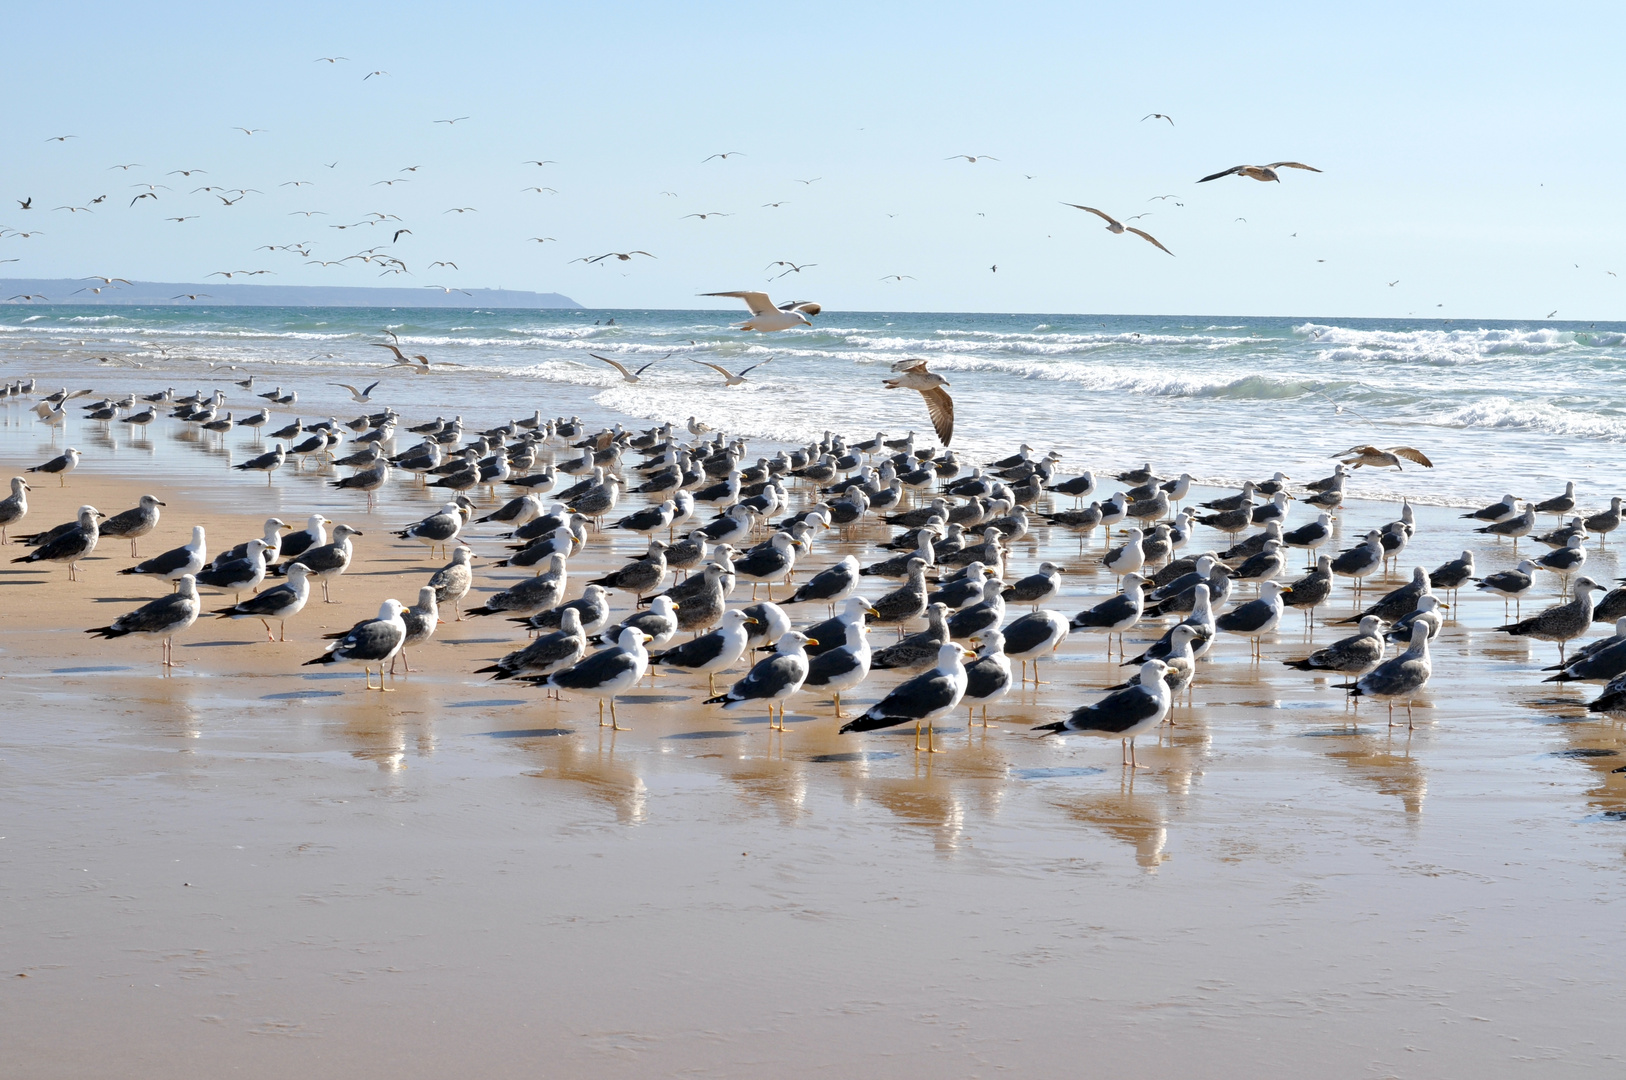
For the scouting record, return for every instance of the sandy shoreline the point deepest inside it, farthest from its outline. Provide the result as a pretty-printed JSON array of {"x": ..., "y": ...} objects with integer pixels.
[{"x": 255, "y": 866}]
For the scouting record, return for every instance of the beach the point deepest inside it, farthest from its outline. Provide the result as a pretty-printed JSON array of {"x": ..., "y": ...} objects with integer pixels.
[{"x": 254, "y": 866}]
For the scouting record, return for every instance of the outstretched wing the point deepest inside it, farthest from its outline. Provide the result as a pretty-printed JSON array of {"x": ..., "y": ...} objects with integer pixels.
[
  {"x": 941, "y": 408},
  {"x": 910, "y": 364},
  {"x": 806, "y": 307},
  {"x": 1108, "y": 218},
  {"x": 625, "y": 374},
  {"x": 1292, "y": 165},
  {"x": 1228, "y": 172},
  {"x": 753, "y": 367},
  {"x": 719, "y": 370},
  {"x": 652, "y": 363},
  {"x": 1148, "y": 237},
  {"x": 1362, "y": 451},
  {"x": 396, "y": 349},
  {"x": 758, "y": 302},
  {"x": 1411, "y": 454}
]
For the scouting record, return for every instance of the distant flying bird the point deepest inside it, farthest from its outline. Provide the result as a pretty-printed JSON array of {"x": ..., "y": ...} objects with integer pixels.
[
  {"x": 400, "y": 233},
  {"x": 1393, "y": 283},
  {"x": 1115, "y": 226},
  {"x": 329, "y": 59},
  {"x": 451, "y": 121},
  {"x": 125, "y": 168},
  {"x": 192, "y": 296},
  {"x": 1157, "y": 116},
  {"x": 360, "y": 396},
  {"x": 1553, "y": 312},
  {"x": 184, "y": 172},
  {"x": 26, "y": 204},
  {"x": 447, "y": 289},
  {"x": 815, "y": 180},
  {"x": 899, "y": 277},
  {"x": 765, "y": 317},
  {"x": 461, "y": 210},
  {"x": 627, "y": 376},
  {"x": 248, "y": 131},
  {"x": 1260, "y": 172},
  {"x": 1155, "y": 198},
  {"x": 624, "y": 256},
  {"x": 545, "y": 239},
  {"x": 295, "y": 183},
  {"x": 539, "y": 164},
  {"x": 435, "y": 264},
  {"x": 370, "y": 74},
  {"x": 725, "y": 157},
  {"x": 703, "y": 217},
  {"x": 972, "y": 159},
  {"x": 61, "y": 138},
  {"x": 794, "y": 268},
  {"x": 419, "y": 363},
  {"x": 147, "y": 195},
  {"x": 540, "y": 190},
  {"x": 912, "y": 375},
  {"x": 107, "y": 280},
  {"x": 729, "y": 378}
]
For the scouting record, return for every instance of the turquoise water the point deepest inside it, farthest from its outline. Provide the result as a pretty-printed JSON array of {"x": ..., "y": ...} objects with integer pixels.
[{"x": 1498, "y": 406}]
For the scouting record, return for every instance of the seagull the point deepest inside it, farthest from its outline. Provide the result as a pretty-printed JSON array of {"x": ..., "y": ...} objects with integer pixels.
[
  {"x": 627, "y": 376},
  {"x": 729, "y": 379},
  {"x": 1157, "y": 116},
  {"x": 1386, "y": 458},
  {"x": 1260, "y": 172},
  {"x": 794, "y": 268},
  {"x": 725, "y": 157},
  {"x": 451, "y": 121},
  {"x": 912, "y": 375},
  {"x": 361, "y": 396},
  {"x": 703, "y": 217},
  {"x": 899, "y": 277},
  {"x": 765, "y": 317},
  {"x": 1118, "y": 227},
  {"x": 624, "y": 256},
  {"x": 972, "y": 159}
]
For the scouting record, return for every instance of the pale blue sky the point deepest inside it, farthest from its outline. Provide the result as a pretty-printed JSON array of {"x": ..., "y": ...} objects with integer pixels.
[{"x": 1471, "y": 152}]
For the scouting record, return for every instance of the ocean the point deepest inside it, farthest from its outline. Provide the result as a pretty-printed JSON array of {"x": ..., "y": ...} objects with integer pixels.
[{"x": 1499, "y": 407}]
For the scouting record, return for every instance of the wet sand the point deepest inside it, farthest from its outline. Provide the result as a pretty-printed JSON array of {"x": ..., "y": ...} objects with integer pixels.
[{"x": 254, "y": 867}]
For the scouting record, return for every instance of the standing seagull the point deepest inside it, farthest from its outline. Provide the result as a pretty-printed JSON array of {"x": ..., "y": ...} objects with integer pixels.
[
  {"x": 1562, "y": 623},
  {"x": 844, "y": 667},
  {"x": 163, "y": 618},
  {"x": 1401, "y": 677},
  {"x": 136, "y": 523},
  {"x": 912, "y": 375},
  {"x": 372, "y": 643},
  {"x": 61, "y": 465},
  {"x": 1118, "y": 228},
  {"x": 73, "y": 544},
  {"x": 280, "y": 603},
  {"x": 13, "y": 508},
  {"x": 923, "y": 699},
  {"x": 773, "y": 679},
  {"x": 1123, "y": 714},
  {"x": 1264, "y": 173},
  {"x": 175, "y": 563},
  {"x": 607, "y": 672}
]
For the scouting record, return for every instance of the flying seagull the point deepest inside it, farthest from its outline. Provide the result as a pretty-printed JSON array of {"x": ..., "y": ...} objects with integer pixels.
[
  {"x": 1157, "y": 116},
  {"x": 627, "y": 376},
  {"x": 1118, "y": 227},
  {"x": 912, "y": 375},
  {"x": 362, "y": 396},
  {"x": 1386, "y": 458},
  {"x": 1260, "y": 172},
  {"x": 765, "y": 317},
  {"x": 729, "y": 378}
]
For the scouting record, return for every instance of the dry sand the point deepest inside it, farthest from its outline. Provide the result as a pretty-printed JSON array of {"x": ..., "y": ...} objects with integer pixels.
[{"x": 255, "y": 868}]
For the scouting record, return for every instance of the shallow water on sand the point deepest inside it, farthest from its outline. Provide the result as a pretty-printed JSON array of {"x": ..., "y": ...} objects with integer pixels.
[{"x": 250, "y": 866}]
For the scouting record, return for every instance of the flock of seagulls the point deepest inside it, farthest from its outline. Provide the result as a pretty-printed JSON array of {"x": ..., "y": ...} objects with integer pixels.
[{"x": 923, "y": 587}]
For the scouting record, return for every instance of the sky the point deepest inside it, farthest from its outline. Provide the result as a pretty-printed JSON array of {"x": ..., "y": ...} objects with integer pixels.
[{"x": 1470, "y": 153}]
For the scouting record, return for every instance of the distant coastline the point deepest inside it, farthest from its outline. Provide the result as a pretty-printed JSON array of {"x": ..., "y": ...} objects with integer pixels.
[{"x": 231, "y": 294}]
